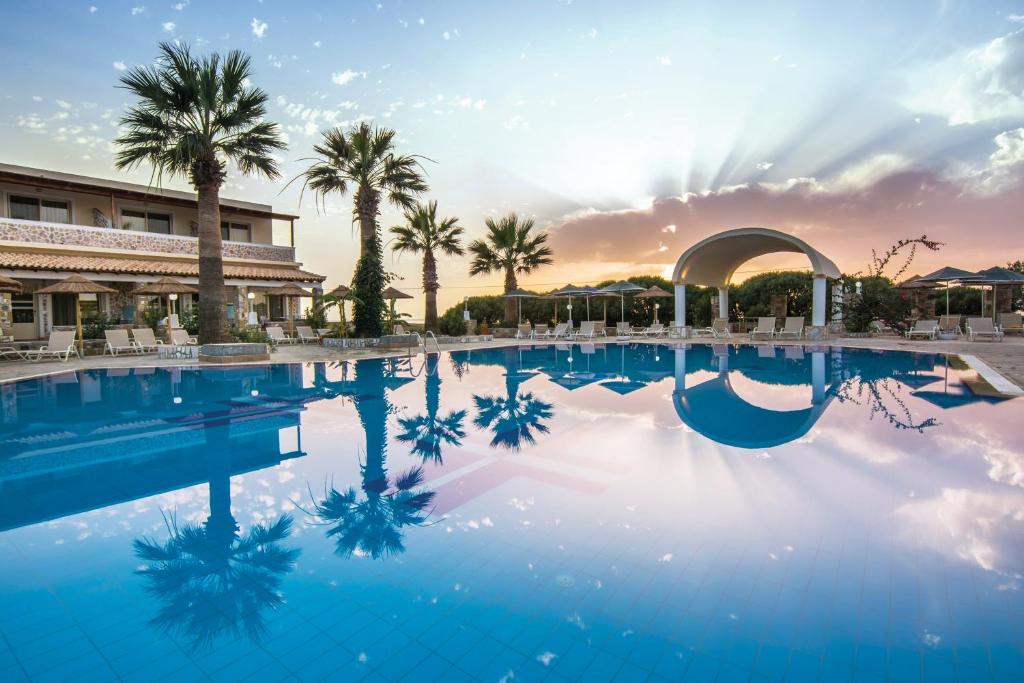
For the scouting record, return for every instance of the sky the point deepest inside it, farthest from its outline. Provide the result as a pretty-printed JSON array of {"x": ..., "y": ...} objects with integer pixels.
[{"x": 628, "y": 131}]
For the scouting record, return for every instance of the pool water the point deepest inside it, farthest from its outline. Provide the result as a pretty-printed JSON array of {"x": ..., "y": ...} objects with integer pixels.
[{"x": 558, "y": 513}]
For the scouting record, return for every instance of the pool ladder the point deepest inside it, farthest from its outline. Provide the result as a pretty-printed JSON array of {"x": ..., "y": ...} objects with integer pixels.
[{"x": 426, "y": 337}]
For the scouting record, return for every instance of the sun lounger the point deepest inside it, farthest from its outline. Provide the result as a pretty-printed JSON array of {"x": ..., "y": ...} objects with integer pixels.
[
  {"x": 623, "y": 329},
  {"x": 556, "y": 333},
  {"x": 398, "y": 329},
  {"x": 322, "y": 332},
  {"x": 180, "y": 337},
  {"x": 983, "y": 328},
  {"x": 11, "y": 353},
  {"x": 587, "y": 330},
  {"x": 950, "y": 323},
  {"x": 793, "y": 328},
  {"x": 145, "y": 340},
  {"x": 923, "y": 328},
  {"x": 117, "y": 340},
  {"x": 277, "y": 335},
  {"x": 60, "y": 345},
  {"x": 540, "y": 330},
  {"x": 306, "y": 334},
  {"x": 524, "y": 331},
  {"x": 765, "y": 327},
  {"x": 1011, "y": 322},
  {"x": 655, "y": 330},
  {"x": 879, "y": 327}
]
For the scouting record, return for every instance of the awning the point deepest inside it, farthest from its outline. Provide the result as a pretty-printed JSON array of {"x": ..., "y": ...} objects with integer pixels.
[{"x": 64, "y": 263}]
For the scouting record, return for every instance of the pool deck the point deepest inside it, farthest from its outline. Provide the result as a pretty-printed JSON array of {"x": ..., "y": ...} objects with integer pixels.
[{"x": 1000, "y": 363}]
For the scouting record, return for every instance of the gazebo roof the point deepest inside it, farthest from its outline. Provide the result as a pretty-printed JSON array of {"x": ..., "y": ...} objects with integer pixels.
[
  {"x": 166, "y": 285},
  {"x": 392, "y": 293},
  {"x": 76, "y": 284},
  {"x": 290, "y": 289}
]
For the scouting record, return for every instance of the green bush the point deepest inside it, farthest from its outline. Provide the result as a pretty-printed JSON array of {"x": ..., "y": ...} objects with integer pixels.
[
  {"x": 251, "y": 335},
  {"x": 94, "y": 325},
  {"x": 451, "y": 323},
  {"x": 189, "y": 321},
  {"x": 879, "y": 300},
  {"x": 316, "y": 316}
]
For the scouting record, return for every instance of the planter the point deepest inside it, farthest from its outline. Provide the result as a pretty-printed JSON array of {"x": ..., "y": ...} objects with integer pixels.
[{"x": 236, "y": 352}]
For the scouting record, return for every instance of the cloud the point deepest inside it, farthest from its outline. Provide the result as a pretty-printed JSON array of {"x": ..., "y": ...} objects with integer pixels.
[
  {"x": 977, "y": 84},
  {"x": 93, "y": 9},
  {"x": 665, "y": 60},
  {"x": 1005, "y": 168},
  {"x": 168, "y": 26},
  {"x": 516, "y": 121},
  {"x": 309, "y": 121},
  {"x": 347, "y": 76},
  {"x": 259, "y": 28},
  {"x": 180, "y": 6},
  {"x": 32, "y": 123},
  {"x": 138, "y": 10},
  {"x": 120, "y": 66},
  {"x": 764, "y": 165}
]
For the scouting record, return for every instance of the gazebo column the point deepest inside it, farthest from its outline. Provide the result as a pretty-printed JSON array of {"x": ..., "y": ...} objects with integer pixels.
[
  {"x": 723, "y": 302},
  {"x": 680, "y": 312},
  {"x": 818, "y": 301}
]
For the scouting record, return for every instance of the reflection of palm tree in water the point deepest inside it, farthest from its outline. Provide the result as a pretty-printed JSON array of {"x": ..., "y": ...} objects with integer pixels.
[
  {"x": 428, "y": 432},
  {"x": 210, "y": 579},
  {"x": 372, "y": 524},
  {"x": 515, "y": 417}
]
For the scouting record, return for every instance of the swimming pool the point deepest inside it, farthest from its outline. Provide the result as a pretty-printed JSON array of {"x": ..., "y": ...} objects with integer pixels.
[{"x": 585, "y": 512}]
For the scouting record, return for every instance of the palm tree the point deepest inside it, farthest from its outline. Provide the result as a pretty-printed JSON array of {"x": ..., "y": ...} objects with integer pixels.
[
  {"x": 210, "y": 584},
  {"x": 428, "y": 432},
  {"x": 423, "y": 234},
  {"x": 194, "y": 115},
  {"x": 515, "y": 417},
  {"x": 510, "y": 247},
  {"x": 363, "y": 160}
]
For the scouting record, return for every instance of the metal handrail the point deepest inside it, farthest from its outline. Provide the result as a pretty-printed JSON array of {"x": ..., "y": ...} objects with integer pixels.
[{"x": 430, "y": 335}]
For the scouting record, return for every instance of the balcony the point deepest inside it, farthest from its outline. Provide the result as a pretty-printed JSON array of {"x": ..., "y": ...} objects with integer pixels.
[{"x": 81, "y": 236}]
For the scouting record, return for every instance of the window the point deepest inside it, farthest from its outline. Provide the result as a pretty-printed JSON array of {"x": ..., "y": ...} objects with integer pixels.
[
  {"x": 23, "y": 308},
  {"x": 36, "y": 209},
  {"x": 146, "y": 221},
  {"x": 235, "y": 232}
]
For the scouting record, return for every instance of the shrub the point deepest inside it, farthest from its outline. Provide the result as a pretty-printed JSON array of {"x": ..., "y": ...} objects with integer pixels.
[
  {"x": 451, "y": 323},
  {"x": 189, "y": 321},
  {"x": 94, "y": 324},
  {"x": 879, "y": 300}
]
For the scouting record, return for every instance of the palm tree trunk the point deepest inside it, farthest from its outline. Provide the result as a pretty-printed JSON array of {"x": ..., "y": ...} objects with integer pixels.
[
  {"x": 510, "y": 304},
  {"x": 212, "y": 300},
  {"x": 430, "y": 291},
  {"x": 367, "y": 208}
]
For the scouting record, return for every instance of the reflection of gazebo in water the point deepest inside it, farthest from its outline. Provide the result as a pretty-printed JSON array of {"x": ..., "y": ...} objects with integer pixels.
[{"x": 714, "y": 409}]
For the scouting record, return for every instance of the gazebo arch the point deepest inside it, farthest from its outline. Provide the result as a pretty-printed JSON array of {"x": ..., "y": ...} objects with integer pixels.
[{"x": 714, "y": 260}]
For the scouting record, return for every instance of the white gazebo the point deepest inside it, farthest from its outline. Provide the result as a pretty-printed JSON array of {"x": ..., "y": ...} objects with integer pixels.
[{"x": 714, "y": 260}]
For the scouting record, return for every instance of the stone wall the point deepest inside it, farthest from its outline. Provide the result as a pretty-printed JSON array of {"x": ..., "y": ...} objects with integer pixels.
[{"x": 58, "y": 234}]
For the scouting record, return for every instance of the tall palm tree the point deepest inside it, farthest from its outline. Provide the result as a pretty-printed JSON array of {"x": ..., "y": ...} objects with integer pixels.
[
  {"x": 363, "y": 160},
  {"x": 428, "y": 432},
  {"x": 510, "y": 247},
  {"x": 422, "y": 233},
  {"x": 193, "y": 117}
]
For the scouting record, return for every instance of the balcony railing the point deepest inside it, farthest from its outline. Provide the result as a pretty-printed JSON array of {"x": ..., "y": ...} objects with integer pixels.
[{"x": 60, "y": 234}]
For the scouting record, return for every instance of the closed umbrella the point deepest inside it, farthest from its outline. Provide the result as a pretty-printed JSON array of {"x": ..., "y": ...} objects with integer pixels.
[
  {"x": 391, "y": 294},
  {"x": 655, "y": 292},
  {"x": 622, "y": 288},
  {"x": 166, "y": 286},
  {"x": 77, "y": 285},
  {"x": 520, "y": 294},
  {"x": 288, "y": 291},
  {"x": 947, "y": 275}
]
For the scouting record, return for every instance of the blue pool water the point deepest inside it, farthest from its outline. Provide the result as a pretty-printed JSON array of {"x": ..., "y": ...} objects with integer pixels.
[{"x": 557, "y": 513}]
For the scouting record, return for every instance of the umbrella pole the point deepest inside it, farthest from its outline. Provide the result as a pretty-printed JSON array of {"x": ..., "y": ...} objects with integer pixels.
[
  {"x": 78, "y": 325},
  {"x": 520, "y": 311},
  {"x": 588, "y": 308},
  {"x": 947, "y": 298},
  {"x": 606, "y": 311}
]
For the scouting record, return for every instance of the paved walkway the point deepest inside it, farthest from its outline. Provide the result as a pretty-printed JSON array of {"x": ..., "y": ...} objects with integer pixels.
[{"x": 1006, "y": 357}]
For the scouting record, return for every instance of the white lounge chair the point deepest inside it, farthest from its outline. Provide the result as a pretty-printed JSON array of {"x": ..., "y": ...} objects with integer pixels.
[
  {"x": 180, "y": 337},
  {"x": 586, "y": 331},
  {"x": 983, "y": 328},
  {"x": 793, "y": 328},
  {"x": 60, "y": 345},
  {"x": 399, "y": 330},
  {"x": 950, "y": 323},
  {"x": 880, "y": 328},
  {"x": 145, "y": 340},
  {"x": 306, "y": 334},
  {"x": 117, "y": 340},
  {"x": 1011, "y": 322},
  {"x": 561, "y": 331},
  {"x": 524, "y": 331},
  {"x": 277, "y": 335},
  {"x": 540, "y": 330},
  {"x": 655, "y": 330},
  {"x": 923, "y": 328},
  {"x": 623, "y": 329},
  {"x": 765, "y": 327},
  {"x": 11, "y": 353}
]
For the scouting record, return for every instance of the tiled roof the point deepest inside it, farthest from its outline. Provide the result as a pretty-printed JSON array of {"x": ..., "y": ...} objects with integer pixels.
[{"x": 139, "y": 266}]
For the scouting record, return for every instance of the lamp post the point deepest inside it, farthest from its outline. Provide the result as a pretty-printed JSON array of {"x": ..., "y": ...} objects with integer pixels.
[
  {"x": 172, "y": 318},
  {"x": 656, "y": 307},
  {"x": 568, "y": 307},
  {"x": 251, "y": 315}
]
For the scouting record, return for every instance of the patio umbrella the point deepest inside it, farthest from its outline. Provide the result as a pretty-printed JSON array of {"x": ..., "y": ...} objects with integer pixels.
[
  {"x": 520, "y": 294},
  {"x": 166, "y": 286},
  {"x": 9, "y": 285},
  {"x": 947, "y": 275},
  {"x": 655, "y": 292},
  {"x": 622, "y": 288},
  {"x": 996, "y": 276},
  {"x": 77, "y": 285},
  {"x": 568, "y": 292},
  {"x": 288, "y": 291},
  {"x": 391, "y": 294}
]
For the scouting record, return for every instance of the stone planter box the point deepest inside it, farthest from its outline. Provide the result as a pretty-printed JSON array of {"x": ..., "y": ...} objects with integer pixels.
[
  {"x": 233, "y": 353},
  {"x": 398, "y": 341}
]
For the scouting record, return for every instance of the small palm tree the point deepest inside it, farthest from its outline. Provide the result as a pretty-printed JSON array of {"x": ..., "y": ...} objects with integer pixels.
[
  {"x": 194, "y": 115},
  {"x": 423, "y": 234},
  {"x": 363, "y": 160},
  {"x": 510, "y": 247}
]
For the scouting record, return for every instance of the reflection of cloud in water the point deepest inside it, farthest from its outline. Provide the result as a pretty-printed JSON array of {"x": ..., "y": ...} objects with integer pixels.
[{"x": 984, "y": 528}]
